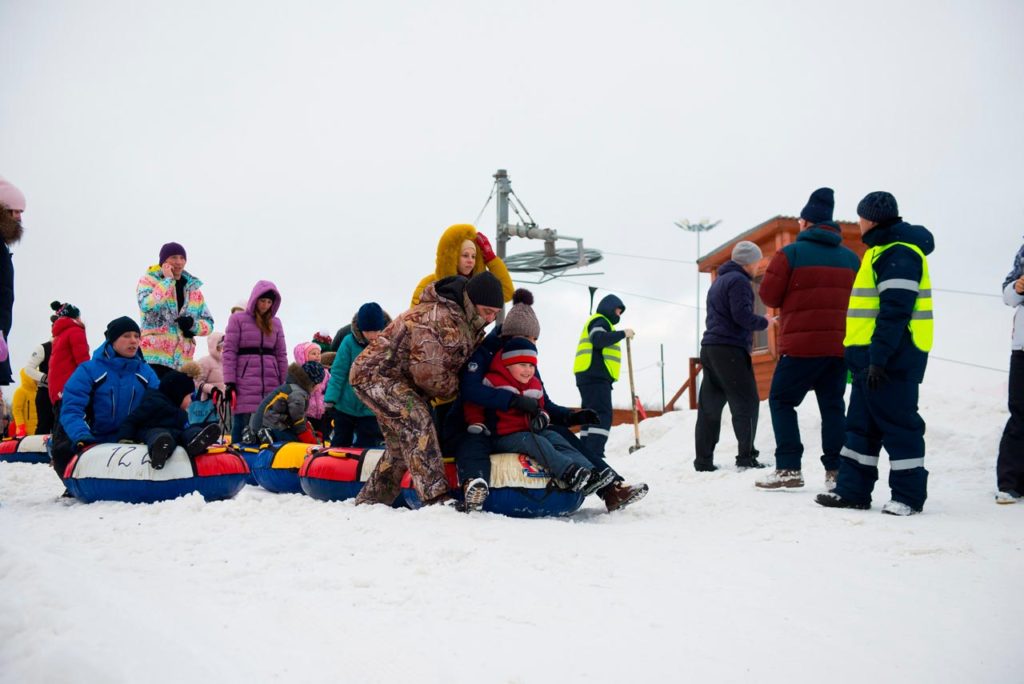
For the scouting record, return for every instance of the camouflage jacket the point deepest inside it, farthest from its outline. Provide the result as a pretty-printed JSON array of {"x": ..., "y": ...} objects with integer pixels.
[{"x": 426, "y": 346}]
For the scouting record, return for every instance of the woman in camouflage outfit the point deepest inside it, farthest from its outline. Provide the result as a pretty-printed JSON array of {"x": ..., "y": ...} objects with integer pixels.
[{"x": 415, "y": 359}]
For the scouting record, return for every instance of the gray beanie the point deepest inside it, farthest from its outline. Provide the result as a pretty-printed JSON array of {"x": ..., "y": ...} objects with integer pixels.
[
  {"x": 746, "y": 252},
  {"x": 521, "y": 321}
]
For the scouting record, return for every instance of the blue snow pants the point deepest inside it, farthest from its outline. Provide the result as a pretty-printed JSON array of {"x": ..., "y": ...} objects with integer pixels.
[{"x": 793, "y": 379}]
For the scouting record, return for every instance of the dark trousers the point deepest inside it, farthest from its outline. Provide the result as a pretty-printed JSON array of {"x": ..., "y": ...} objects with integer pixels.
[
  {"x": 239, "y": 421},
  {"x": 883, "y": 417},
  {"x": 728, "y": 378},
  {"x": 596, "y": 396},
  {"x": 1010, "y": 464},
  {"x": 60, "y": 459},
  {"x": 180, "y": 437},
  {"x": 44, "y": 410},
  {"x": 160, "y": 369},
  {"x": 793, "y": 379},
  {"x": 362, "y": 432}
]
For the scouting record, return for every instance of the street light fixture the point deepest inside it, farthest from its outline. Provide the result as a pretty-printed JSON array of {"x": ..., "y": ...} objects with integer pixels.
[{"x": 698, "y": 227}]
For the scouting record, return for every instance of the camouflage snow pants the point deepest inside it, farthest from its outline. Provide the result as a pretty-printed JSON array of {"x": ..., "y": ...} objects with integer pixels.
[{"x": 411, "y": 441}]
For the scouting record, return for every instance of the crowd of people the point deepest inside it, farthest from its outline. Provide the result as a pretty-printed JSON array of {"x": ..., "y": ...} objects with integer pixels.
[{"x": 433, "y": 381}]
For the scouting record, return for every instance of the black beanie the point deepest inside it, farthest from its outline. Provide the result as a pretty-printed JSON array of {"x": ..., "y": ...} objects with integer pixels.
[
  {"x": 175, "y": 385},
  {"x": 878, "y": 206},
  {"x": 120, "y": 326},
  {"x": 484, "y": 289},
  {"x": 819, "y": 207}
]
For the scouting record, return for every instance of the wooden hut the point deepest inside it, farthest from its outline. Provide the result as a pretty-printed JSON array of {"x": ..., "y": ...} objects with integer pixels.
[{"x": 770, "y": 236}]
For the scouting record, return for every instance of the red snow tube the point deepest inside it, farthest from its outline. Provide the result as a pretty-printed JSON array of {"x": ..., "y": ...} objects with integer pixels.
[
  {"x": 31, "y": 449},
  {"x": 123, "y": 472},
  {"x": 337, "y": 473}
]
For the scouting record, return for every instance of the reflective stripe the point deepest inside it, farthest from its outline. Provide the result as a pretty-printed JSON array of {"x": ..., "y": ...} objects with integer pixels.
[
  {"x": 863, "y": 459},
  {"x": 584, "y": 352},
  {"x": 921, "y": 315},
  {"x": 583, "y": 432},
  {"x": 864, "y": 292},
  {"x": 906, "y": 464},
  {"x": 862, "y": 313},
  {"x": 599, "y": 431},
  {"x": 899, "y": 284},
  {"x": 611, "y": 355}
]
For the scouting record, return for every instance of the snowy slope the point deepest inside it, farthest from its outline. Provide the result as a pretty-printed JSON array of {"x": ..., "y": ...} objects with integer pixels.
[{"x": 707, "y": 579}]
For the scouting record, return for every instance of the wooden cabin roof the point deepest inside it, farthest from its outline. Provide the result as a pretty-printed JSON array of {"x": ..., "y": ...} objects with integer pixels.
[{"x": 764, "y": 235}]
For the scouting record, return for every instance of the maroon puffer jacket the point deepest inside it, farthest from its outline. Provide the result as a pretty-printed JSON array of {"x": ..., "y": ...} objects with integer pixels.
[{"x": 255, "y": 362}]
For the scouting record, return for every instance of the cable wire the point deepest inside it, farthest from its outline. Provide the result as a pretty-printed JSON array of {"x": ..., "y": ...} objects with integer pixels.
[
  {"x": 966, "y": 363},
  {"x": 966, "y": 292}
]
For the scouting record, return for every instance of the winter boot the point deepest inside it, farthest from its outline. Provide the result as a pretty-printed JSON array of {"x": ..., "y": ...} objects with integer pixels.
[
  {"x": 1010, "y": 496},
  {"x": 747, "y": 463},
  {"x": 620, "y": 495},
  {"x": 833, "y": 500},
  {"x": 575, "y": 477},
  {"x": 598, "y": 480},
  {"x": 160, "y": 449},
  {"x": 203, "y": 440},
  {"x": 475, "y": 493},
  {"x": 830, "y": 479},
  {"x": 781, "y": 479},
  {"x": 702, "y": 467},
  {"x": 898, "y": 508}
]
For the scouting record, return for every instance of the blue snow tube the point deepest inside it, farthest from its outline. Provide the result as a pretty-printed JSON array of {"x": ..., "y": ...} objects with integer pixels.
[
  {"x": 276, "y": 467},
  {"x": 520, "y": 488}
]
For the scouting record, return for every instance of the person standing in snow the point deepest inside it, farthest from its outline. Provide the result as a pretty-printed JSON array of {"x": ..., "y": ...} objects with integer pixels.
[
  {"x": 1010, "y": 463},
  {"x": 38, "y": 369},
  {"x": 255, "y": 357},
  {"x": 414, "y": 360},
  {"x": 597, "y": 364},
  {"x": 173, "y": 311},
  {"x": 809, "y": 281},
  {"x": 12, "y": 206},
  {"x": 725, "y": 357},
  {"x": 354, "y": 423},
  {"x": 70, "y": 350},
  {"x": 889, "y": 330}
]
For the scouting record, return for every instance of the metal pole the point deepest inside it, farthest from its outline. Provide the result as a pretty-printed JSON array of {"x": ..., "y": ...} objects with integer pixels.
[
  {"x": 504, "y": 190},
  {"x": 662, "y": 364},
  {"x": 697, "y": 327}
]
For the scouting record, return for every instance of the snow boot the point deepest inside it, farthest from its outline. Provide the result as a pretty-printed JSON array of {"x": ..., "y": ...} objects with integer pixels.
[
  {"x": 620, "y": 495},
  {"x": 475, "y": 493},
  {"x": 898, "y": 508},
  {"x": 830, "y": 479},
  {"x": 203, "y": 440},
  {"x": 781, "y": 479},
  {"x": 747, "y": 463},
  {"x": 160, "y": 449},
  {"x": 1010, "y": 496},
  {"x": 575, "y": 477},
  {"x": 702, "y": 467},
  {"x": 833, "y": 500},
  {"x": 598, "y": 480}
]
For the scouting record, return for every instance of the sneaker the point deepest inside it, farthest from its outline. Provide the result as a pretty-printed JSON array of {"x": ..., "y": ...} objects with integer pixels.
[
  {"x": 748, "y": 464},
  {"x": 1009, "y": 496},
  {"x": 704, "y": 467},
  {"x": 161, "y": 449},
  {"x": 475, "y": 493},
  {"x": 598, "y": 480},
  {"x": 833, "y": 500},
  {"x": 206, "y": 438},
  {"x": 898, "y": 508},
  {"x": 620, "y": 495},
  {"x": 830, "y": 479},
  {"x": 575, "y": 477},
  {"x": 781, "y": 479}
]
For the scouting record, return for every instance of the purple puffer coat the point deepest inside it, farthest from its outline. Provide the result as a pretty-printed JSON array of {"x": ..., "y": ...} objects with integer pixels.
[{"x": 255, "y": 362}]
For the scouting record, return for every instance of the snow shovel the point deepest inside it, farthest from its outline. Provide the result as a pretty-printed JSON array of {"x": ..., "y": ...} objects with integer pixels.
[{"x": 632, "y": 396}]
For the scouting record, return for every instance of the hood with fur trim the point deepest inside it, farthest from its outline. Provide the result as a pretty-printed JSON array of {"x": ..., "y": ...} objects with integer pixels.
[
  {"x": 299, "y": 377},
  {"x": 448, "y": 248}
]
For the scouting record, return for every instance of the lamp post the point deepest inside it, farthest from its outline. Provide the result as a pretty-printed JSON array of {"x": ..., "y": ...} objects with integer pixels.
[{"x": 702, "y": 226}]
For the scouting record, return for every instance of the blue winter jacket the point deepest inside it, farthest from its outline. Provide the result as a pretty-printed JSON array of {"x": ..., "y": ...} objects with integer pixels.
[
  {"x": 891, "y": 345},
  {"x": 102, "y": 392},
  {"x": 731, "y": 319}
]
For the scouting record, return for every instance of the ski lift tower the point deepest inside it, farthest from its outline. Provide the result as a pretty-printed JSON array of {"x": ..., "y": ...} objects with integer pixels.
[{"x": 550, "y": 262}]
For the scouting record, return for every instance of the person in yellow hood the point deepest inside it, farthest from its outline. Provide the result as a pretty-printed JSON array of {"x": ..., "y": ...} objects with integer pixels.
[
  {"x": 23, "y": 406},
  {"x": 463, "y": 251}
]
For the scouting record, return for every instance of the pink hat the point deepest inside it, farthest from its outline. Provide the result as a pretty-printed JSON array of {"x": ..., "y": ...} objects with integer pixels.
[
  {"x": 10, "y": 196},
  {"x": 300, "y": 352}
]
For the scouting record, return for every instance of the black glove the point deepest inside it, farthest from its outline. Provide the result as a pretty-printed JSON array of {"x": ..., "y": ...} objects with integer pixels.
[
  {"x": 185, "y": 324},
  {"x": 230, "y": 392},
  {"x": 583, "y": 417},
  {"x": 876, "y": 377},
  {"x": 527, "y": 405},
  {"x": 540, "y": 421}
]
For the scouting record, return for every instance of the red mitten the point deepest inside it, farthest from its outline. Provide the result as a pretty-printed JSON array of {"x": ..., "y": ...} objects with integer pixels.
[
  {"x": 307, "y": 435},
  {"x": 485, "y": 248}
]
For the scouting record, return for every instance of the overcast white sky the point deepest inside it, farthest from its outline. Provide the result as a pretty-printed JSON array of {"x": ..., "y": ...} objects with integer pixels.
[{"x": 326, "y": 145}]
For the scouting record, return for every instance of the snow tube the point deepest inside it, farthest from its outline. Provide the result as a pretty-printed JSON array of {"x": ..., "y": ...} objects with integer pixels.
[
  {"x": 122, "y": 472},
  {"x": 337, "y": 473},
  {"x": 412, "y": 499},
  {"x": 276, "y": 466},
  {"x": 31, "y": 449},
  {"x": 522, "y": 489},
  {"x": 248, "y": 453}
]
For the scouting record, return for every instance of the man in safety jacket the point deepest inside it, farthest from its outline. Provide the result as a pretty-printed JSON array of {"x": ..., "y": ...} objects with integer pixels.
[
  {"x": 598, "y": 360},
  {"x": 889, "y": 330}
]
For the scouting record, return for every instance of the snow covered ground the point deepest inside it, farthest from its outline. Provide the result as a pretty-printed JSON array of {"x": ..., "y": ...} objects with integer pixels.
[{"x": 707, "y": 579}]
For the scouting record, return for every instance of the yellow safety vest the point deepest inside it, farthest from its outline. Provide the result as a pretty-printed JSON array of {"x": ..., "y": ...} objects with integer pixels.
[
  {"x": 864, "y": 301},
  {"x": 611, "y": 354}
]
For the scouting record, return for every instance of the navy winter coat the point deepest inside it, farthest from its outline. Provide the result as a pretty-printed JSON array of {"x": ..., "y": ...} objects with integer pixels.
[{"x": 731, "y": 319}]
